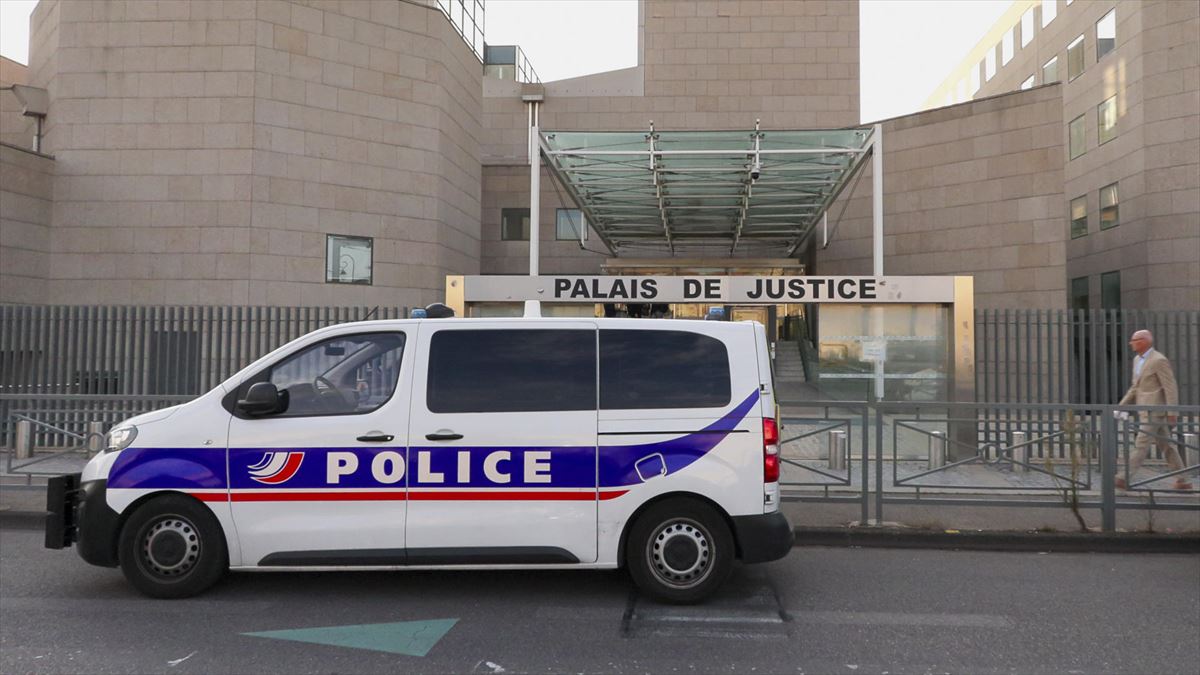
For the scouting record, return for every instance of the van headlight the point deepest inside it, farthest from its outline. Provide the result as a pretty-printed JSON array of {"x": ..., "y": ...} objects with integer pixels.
[{"x": 120, "y": 438}]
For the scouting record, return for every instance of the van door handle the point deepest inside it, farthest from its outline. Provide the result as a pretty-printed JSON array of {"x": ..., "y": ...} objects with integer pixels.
[
  {"x": 376, "y": 437},
  {"x": 443, "y": 437}
]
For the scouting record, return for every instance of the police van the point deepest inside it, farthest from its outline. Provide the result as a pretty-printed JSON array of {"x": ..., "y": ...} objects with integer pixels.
[{"x": 463, "y": 443}]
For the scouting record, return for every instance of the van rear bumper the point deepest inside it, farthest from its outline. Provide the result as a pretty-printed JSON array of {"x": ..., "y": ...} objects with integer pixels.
[{"x": 763, "y": 538}]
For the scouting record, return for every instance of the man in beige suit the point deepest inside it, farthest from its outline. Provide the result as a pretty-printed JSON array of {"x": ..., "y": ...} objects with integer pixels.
[{"x": 1153, "y": 384}]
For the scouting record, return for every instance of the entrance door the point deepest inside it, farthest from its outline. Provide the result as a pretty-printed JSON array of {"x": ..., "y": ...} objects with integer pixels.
[
  {"x": 502, "y": 464},
  {"x": 322, "y": 483}
]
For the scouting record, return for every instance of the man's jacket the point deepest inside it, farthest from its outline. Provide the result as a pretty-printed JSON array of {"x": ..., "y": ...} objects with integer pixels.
[{"x": 1154, "y": 385}]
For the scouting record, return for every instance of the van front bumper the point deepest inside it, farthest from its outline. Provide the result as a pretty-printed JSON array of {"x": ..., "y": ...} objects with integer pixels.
[
  {"x": 78, "y": 513},
  {"x": 763, "y": 538}
]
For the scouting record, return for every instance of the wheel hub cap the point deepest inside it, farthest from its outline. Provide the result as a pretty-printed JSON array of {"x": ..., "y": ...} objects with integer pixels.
[
  {"x": 171, "y": 547},
  {"x": 680, "y": 553}
]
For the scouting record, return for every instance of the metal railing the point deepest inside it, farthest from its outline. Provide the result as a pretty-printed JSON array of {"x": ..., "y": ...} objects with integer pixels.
[{"x": 948, "y": 454}]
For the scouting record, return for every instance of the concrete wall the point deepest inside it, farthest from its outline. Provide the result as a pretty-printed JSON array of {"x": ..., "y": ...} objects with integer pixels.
[
  {"x": 25, "y": 194},
  {"x": 707, "y": 64},
  {"x": 971, "y": 189},
  {"x": 205, "y": 149}
]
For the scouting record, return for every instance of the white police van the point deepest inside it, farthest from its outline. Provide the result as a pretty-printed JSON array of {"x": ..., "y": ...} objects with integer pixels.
[{"x": 463, "y": 443}]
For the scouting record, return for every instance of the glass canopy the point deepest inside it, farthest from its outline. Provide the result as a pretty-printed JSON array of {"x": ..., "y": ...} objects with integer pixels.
[{"x": 705, "y": 192}]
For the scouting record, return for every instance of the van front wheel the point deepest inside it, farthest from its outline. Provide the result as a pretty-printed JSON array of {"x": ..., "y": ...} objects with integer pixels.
[
  {"x": 172, "y": 547},
  {"x": 680, "y": 551}
]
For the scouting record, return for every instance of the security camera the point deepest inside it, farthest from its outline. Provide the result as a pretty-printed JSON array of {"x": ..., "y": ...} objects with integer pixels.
[{"x": 755, "y": 170}]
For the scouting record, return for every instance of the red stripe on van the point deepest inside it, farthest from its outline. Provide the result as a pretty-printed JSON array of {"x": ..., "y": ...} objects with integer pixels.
[{"x": 327, "y": 496}]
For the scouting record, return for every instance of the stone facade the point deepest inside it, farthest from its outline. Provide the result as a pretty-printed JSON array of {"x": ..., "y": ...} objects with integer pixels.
[
  {"x": 1153, "y": 71},
  {"x": 15, "y": 128},
  {"x": 204, "y": 150},
  {"x": 975, "y": 189},
  {"x": 26, "y": 191}
]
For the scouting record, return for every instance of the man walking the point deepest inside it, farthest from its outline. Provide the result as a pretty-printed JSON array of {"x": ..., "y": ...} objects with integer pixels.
[{"x": 1153, "y": 384}]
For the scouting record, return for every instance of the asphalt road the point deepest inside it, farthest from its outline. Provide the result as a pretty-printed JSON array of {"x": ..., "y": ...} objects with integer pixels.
[{"x": 817, "y": 611}]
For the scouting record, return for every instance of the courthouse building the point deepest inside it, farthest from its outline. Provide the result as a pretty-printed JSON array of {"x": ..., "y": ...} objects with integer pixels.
[{"x": 352, "y": 152}]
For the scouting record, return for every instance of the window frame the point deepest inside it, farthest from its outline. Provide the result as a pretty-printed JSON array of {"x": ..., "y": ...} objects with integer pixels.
[
  {"x": 1077, "y": 233},
  {"x": 1112, "y": 13},
  {"x": 1100, "y": 116},
  {"x": 264, "y": 375},
  {"x": 526, "y": 226},
  {"x": 1104, "y": 296},
  {"x": 1053, "y": 5},
  {"x": 1056, "y": 78},
  {"x": 1081, "y": 43},
  {"x": 370, "y": 280},
  {"x": 581, "y": 236},
  {"x": 1115, "y": 206},
  {"x": 1072, "y": 295},
  {"x": 611, "y": 370},
  {"x": 1082, "y": 135},
  {"x": 433, "y": 397}
]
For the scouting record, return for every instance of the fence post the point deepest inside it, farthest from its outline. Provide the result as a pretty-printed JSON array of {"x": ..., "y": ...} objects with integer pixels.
[
  {"x": 1108, "y": 470},
  {"x": 23, "y": 446},
  {"x": 1019, "y": 455},
  {"x": 95, "y": 438},
  {"x": 837, "y": 450},
  {"x": 937, "y": 449},
  {"x": 1191, "y": 454}
]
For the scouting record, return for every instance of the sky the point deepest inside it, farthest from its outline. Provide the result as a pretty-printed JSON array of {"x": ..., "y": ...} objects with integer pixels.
[{"x": 908, "y": 46}]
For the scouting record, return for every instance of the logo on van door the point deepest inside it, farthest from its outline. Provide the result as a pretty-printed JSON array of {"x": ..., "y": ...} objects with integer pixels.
[{"x": 276, "y": 467}]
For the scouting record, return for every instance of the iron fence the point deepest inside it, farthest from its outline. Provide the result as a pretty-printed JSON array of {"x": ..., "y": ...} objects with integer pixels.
[{"x": 117, "y": 361}]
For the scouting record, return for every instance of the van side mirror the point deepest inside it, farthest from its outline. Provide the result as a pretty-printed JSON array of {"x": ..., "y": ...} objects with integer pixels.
[{"x": 263, "y": 398}]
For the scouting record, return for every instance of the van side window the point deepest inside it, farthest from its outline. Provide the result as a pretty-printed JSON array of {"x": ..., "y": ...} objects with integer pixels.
[
  {"x": 512, "y": 371},
  {"x": 662, "y": 369},
  {"x": 346, "y": 375}
]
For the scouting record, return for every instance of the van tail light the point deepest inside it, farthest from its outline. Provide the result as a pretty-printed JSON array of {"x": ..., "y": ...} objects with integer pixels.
[{"x": 770, "y": 450}]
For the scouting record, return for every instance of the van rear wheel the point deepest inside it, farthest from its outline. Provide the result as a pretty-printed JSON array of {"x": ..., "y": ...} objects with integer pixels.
[
  {"x": 680, "y": 551},
  {"x": 172, "y": 547}
]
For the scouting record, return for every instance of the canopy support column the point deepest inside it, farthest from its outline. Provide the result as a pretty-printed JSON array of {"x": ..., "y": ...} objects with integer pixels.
[
  {"x": 877, "y": 198},
  {"x": 534, "y": 307}
]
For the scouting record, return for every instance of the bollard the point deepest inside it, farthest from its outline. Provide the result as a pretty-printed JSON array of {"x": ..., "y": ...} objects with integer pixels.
[
  {"x": 95, "y": 438},
  {"x": 24, "y": 439},
  {"x": 1191, "y": 454},
  {"x": 937, "y": 450},
  {"x": 837, "y": 450},
  {"x": 1020, "y": 454}
]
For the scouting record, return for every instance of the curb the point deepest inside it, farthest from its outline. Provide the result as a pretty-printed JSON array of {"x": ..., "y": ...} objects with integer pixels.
[{"x": 979, "y": 540}]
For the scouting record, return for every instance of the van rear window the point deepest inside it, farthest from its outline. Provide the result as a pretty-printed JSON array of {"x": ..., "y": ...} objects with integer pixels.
[
  {"x": 662, "y": 369},
  {"x": 511, "y": 371}
]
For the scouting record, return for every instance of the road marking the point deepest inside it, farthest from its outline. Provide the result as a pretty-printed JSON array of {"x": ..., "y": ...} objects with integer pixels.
[
  {"x": 413, "y": 638},
  {"x": 902, "y": 619}
]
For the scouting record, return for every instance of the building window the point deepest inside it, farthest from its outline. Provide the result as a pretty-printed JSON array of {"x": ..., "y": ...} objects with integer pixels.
[
  {"x": 569, "y": 224},
  {"x": 1050, "y": 71},
  {"x": 1007, "y": 46},
  {"x": 1049, "y": 11},
  {"x": 1106, "y": 120},
  {"x": 1110, "y": 207},
  {"x": 1110, "y": 290},
  {"x": 1078, "y": 139},
  {"x": 975, "y": 80},
  {"x": 1079, "y": 293},
  {"x": 1106, "y": 34},
  {"x": 1075, "y": 58},
  {"x": 1079, "y": 217},
  {"x": 348, "y": 259},
  {"x": 989, "y": 64},
  {"x": 1028, "y": 83},
  {"x": 514, "y": 224},
  {"x": 1027, "y": 27}
]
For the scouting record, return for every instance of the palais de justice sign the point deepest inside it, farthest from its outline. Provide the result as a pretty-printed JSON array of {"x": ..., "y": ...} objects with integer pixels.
[{"x": 743, "y": 290}]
